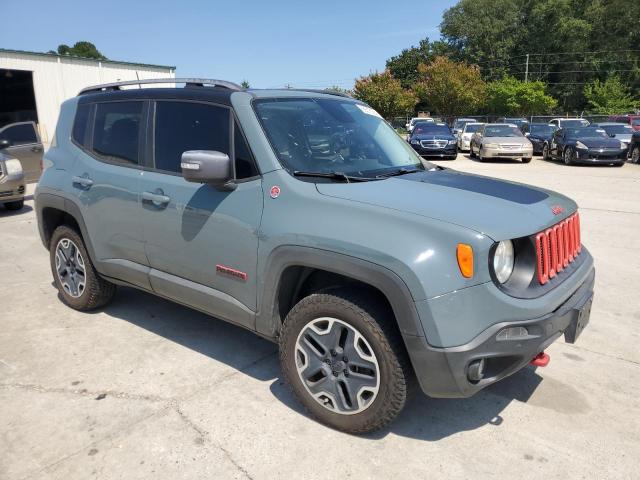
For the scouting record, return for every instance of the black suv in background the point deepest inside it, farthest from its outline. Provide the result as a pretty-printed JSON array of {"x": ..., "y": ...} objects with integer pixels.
[{"x": 538, "y": 134}]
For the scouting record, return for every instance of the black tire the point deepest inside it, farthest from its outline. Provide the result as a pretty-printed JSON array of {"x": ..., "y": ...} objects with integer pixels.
[
  {"x": 479, "y": 155},
  {"x": 16, "y": 205},
  {"x": 471, "y": 153},
  {"x": 619, "y": 164},
  {"x": 526, "y": 160},
  {"x": 567, "y": 156},
  {"x": 97, "y": 291},
  {"x": 545, "y": 152},
  {"x": 372, "y": 320},
  {"x": 635, "y": 154}
]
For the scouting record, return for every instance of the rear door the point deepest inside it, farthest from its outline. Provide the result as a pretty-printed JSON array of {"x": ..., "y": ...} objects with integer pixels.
[
  {"x": 201, "y": 242},
  {"x": 25, "y": 145}
]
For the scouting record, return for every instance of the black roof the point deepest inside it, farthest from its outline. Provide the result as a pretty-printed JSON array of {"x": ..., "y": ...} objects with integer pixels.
[{"x": 218, "y": 95}]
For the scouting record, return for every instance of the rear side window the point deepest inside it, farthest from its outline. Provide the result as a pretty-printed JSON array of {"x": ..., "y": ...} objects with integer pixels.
[
  {"x": 21, "y": 134},
  {"x": 80, "y": 123},
  {"x": 116, "y": 133},
  {"x": 182, "y": 126}
]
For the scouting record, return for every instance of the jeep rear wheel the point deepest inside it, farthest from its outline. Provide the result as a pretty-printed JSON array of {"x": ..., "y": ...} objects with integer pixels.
[
  {"x": 75, "y": 277},
  {"x": 345, "y": 361}
]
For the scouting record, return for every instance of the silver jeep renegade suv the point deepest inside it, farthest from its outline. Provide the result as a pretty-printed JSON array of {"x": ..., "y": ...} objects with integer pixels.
[{"x": 303, "y": 217}]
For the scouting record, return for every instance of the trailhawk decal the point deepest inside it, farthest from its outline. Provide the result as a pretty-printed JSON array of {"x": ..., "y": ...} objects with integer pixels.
[{"x": 232, "y": 272}]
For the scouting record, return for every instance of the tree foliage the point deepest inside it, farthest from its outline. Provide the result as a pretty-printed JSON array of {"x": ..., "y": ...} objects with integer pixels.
[
  {"x": 80, "y": 49},
  {"x": 385, "y": 94},
  {"x": 450, "y": 88},
  {"x": 245, "y": 84},
  {"x": 609, "y": 97},
  {"x": 510, "y": 96},
  {"x": 404, "y": 66},
  {"x": 570, "y": 42}
]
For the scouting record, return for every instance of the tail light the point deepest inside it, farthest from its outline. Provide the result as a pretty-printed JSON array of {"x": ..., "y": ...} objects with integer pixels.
[{"x": 557, "y": 247}]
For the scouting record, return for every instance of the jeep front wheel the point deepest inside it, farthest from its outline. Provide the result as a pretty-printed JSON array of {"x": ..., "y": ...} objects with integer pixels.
[
  {"x": 345, "y": 361},
  {"x": 74, "y": 275}
]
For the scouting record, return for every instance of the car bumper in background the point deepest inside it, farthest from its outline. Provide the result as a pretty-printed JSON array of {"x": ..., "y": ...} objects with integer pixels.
[
  {"x": 12, "y": 188},
  {"x": 448, "y": 151},
  {"x": 601, "y": 155},
  {"x": 504, "y": 153}
]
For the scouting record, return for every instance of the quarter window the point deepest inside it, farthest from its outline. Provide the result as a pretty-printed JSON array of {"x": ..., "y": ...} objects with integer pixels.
[
  {"x": 80, "y": 124},
  {"x": 245, "y": 168},
  {"x": 20, "y": 134},
  {"x": 117, "y": 131},
  {"x": 183, "y": 126}
]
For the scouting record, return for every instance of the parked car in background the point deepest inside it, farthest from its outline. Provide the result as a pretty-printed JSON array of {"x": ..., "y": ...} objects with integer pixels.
[
  {"x": 464, "y": 138},
  {"x": 569, "y": 122},
  {"x": 632, "y": 120},
  {"x": 518, "y": 122},
  {"x": 23, "y": 142},
  {"x": 634, "y": 147},
  {"x": 500, "y": 140},
  {"x": 412, "y": 123},
  {"x": 459, "y": 124},
  {"x": 538, "y": 134},
  {"x": 585, "y": 145},
  {"x": 616, "y": 130},
  {"x": 12, "y": 183},
  {"x": 434, "y": 140}
]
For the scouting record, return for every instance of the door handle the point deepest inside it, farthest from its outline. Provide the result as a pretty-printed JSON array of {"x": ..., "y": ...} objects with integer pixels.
[
  {"x": 85, "y": 182},
  {"x": 36, "y": 149},
  {"x": 158, "y": 198}
]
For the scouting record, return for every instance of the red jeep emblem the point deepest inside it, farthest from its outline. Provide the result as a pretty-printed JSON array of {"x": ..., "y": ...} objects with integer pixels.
[{"x": 557, "y": 209}]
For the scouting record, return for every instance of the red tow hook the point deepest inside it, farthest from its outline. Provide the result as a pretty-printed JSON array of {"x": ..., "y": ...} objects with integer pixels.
[{"x": 540, "y": 360}]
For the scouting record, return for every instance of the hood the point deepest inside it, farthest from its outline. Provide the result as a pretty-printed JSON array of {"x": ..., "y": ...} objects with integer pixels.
[
  {"x": 511, "y": 140},
  {"x": 599, "y": 142},
  {"x": 432, "y": 136},
  {"x": 625, "y": 137},
  {"x": 500, "y": 209}
]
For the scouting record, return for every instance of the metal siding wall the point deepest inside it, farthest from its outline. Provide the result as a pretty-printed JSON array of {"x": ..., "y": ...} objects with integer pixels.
[{"x": 56, "y": 79}]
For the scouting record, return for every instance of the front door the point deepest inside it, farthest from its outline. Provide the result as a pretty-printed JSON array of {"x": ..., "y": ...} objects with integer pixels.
[
  {"x": 25, "y": 145},
  {"x": 201, "y": 242}
]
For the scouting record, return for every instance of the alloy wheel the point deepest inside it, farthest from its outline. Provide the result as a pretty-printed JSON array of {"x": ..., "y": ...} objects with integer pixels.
[
  {"x": 70, "y": 268},
  {"x": 337, "y": 366},
  {"x": 635, "y": 155}
]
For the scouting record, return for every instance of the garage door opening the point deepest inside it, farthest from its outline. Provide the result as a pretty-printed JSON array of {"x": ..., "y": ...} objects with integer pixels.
[{"x": 17, "y": 98}]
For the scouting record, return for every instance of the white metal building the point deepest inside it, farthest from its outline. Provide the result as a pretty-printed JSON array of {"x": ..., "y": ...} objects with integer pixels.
[{"x": 33, "y": 85}]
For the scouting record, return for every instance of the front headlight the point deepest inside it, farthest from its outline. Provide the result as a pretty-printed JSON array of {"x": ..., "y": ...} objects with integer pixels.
[
  {"x": 13, "y": 166},
  {"x": 414, "y": 142},
  {"x": 452, "y": 142},
  {"x": 490, "y": 145},
  {"x": 623, "y": 144},
  {"x": 581, "y": 145},
  {"x": 503, "y": 260}
]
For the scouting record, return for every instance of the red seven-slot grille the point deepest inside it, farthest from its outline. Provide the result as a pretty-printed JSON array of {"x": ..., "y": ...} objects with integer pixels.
[{"x": 557, "y": 247}]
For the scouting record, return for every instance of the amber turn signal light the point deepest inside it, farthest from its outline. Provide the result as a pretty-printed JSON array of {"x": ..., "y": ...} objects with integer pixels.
[{"x": 465, "y": 259}]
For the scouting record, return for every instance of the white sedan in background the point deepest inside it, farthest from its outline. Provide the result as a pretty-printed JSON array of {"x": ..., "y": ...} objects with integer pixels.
[{"x": 464, "y": 137}]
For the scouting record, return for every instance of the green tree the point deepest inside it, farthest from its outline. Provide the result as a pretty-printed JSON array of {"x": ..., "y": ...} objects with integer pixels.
[
  {"x": 245, "y": 84},
  {"x": 385, "y": 94},
  {"x": 80, "y": 49},
  {"x": 336, "y": 88},
  {"x": 610, "y": 96},
  {"x": 450, "y": 88},
  {"x": 510, "y": 96}
]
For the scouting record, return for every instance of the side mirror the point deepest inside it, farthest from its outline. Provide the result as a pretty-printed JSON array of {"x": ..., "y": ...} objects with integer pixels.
[
  {"x": 208, "y": 166},
  {"x": 4, "y": 143}
]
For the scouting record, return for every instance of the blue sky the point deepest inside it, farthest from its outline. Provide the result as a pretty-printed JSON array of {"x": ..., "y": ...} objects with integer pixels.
[{"x": 269, "y": 43}]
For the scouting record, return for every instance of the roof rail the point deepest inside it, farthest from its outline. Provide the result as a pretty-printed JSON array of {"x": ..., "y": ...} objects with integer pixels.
[
  {"x": 326, "y": 92},
  {"x": 189, "y": 82}
]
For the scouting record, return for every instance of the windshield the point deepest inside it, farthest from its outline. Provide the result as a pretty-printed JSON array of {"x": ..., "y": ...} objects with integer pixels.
[
  {"x": 431, "y": 129},
  {"x": 459, "y": 125},
  {"x": 414, "y": 121},
  {"x": 327, "y": 135},
  {"x": 502, "y": 131},
  {"x": 542, "y": 130},
  {"x": 574, "y": 123},
  {"x": 617, "y": 129},
  {"x": 516, "y": 121},
  {"x": 471, "y": 128},
  {"x": 585, "y": 132}
]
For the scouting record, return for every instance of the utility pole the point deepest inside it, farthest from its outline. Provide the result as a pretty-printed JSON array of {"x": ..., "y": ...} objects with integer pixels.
[{"x": 526, "y": 71}]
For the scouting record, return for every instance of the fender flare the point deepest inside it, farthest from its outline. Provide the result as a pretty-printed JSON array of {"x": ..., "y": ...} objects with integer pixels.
[
  {"x": 63, "y": 204},
  {"x": 268, "y": 321}
]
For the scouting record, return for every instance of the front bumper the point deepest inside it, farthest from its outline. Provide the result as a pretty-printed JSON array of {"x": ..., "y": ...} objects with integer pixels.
[
  {"x": 464, "y": 144},
  {"x": 447, "y": 151},
  {"x": 504, "y": 153},
  {"x": 594, "y": 155},
  {"x": 12, "y": 188},
  {"x": 444, "y": 372}
]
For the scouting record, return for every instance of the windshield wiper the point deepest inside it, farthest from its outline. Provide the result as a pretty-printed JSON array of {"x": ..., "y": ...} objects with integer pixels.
[
  {"x": 333, "y": 175},
  {"x": 401, "y": 171}
]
